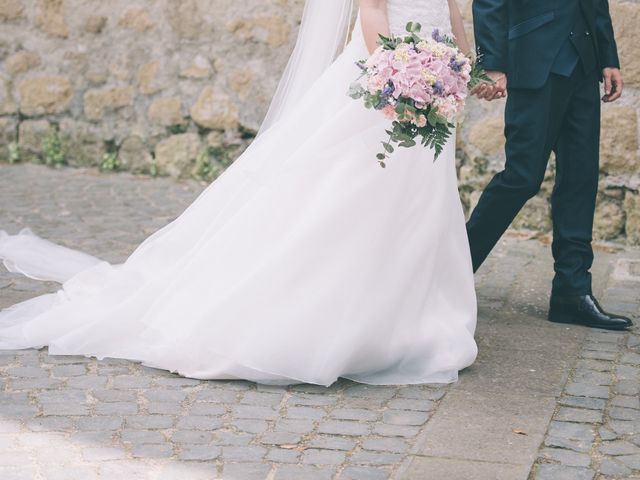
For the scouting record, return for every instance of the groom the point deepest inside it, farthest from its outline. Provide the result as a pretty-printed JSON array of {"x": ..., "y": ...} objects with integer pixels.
[{"x": 549, "y": 56}]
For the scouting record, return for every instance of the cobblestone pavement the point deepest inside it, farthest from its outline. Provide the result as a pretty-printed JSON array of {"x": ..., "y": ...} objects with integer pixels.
[
  {"x": 513, "y": 415},
  {"x": 595, "y": 432}
]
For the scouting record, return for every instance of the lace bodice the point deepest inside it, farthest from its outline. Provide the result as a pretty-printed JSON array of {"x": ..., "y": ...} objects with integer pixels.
[{"x": 431, "y": 14}]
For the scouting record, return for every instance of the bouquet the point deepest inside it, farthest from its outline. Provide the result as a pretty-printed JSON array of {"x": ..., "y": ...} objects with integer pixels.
[{"x": 420, "y": 85}]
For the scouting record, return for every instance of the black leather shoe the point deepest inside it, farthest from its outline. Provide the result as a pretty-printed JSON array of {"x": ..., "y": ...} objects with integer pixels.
[{"x": 585, "y": 310}]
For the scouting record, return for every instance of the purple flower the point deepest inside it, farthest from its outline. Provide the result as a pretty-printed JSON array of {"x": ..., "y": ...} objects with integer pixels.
[
  {"x": 388, "y": 89},
  {"x": 437, "y": 37},
  {"x": 438, "y": 88},
  {"x": 456, "y": 65}
]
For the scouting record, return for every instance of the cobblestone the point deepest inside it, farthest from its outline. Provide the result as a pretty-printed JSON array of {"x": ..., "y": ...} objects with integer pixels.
[
  {"x": 323, "y": 457},
  {"x": 151, "y": 450},
  {"x": 247, "y": 453},
  {"x": 164, "y": 408},
  {"x": 199, "y": 452},
  {"x": 583, "y": 402},
  {"x": 308, "y": 412},
  {"x": 626, "y": 401},
  {"x": 332, "y": 442},
  {"x": 631, "y": 461},
  {"x": 567, "y": 414},
  {"x": 281, "y": 455},
  {"x": 114, "y": 419},
  {"x": 344, "y": 427},
  {"x": 200, "y": 423},
  {"x": 142, "y": 436},
  {"x": 601, "y": 397},
  {"x": 566, "y": 457},
  {"x": 253, "y": 426},
  {"x": 280, "y": 438},
  {"x": 619, "y": 447},
  {"x": 395, "y": 430},
  {"x": 364, "y": 473},
  {"x": 210, "y": 409},
  {"x": 400, "y": 417},
  {"x": 611, "y": 467},
  {"x": 587, "y": 390},
  {"x": 308, "y": 472},
  {"x": 247, "y": 471},
  {"x": 385, "y": 444},
  {"x": 375, "y": 458},
  {"x": 562, "y": 472},
  {"x": 233, "y": 438}
]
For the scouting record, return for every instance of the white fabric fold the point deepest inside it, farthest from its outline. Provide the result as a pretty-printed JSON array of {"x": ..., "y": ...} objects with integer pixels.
[
  {"x": 304, "y": 262},
  {"x": 40, "y": 259}
]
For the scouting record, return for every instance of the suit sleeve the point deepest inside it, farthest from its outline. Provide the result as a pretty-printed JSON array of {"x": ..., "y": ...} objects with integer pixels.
[
  {"x": 605, "y": 36},
  {"x": 490, "y": 23}
]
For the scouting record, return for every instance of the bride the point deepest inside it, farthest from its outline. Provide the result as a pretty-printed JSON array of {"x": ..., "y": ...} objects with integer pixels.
[{"x": 304, "y": 262}]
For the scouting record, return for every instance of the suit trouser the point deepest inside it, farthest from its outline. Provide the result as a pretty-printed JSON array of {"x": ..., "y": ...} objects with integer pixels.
[{"x": 564, "y": 117}]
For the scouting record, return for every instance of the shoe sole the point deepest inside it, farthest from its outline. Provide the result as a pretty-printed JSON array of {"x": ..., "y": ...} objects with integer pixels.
[{"x": 573, "y": 321}]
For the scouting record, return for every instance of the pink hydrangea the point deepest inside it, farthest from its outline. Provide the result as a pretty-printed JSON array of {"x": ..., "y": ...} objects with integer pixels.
[
  {"x": 416, "y": 84},
  {"x": 422, "y": 73}
]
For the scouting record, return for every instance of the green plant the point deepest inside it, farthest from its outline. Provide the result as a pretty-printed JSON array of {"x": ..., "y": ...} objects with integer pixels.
[
  {"x": 14, "y": 152},
  {"x": 153, "y": 169},
  {"x": 223, "y": 154},
  {"x": 52, "y": 151},
  {"x": 205, "y": 168},
  {"x": 178, "y": 128},
  {"x": 110, "y": 162}
]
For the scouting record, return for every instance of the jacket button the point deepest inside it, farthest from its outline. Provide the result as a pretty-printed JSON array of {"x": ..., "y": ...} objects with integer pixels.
[
  {"x": 571, "y": 34},
  {"x": 587, "y": 33}
]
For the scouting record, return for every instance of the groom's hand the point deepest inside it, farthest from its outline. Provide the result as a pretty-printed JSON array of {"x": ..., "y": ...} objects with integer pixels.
[
  {"x": 612, "y": 84},
  {"x": 492, "y": 91}
]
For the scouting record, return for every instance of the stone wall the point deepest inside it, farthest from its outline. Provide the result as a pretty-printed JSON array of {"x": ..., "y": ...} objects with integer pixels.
[
  {"x": 170, "y": 87},
  {"x": 179, "y": 87}
]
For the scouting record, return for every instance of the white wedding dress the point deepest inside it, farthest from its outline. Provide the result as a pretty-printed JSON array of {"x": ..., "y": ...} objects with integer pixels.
[{"x": 304, "y": 262}]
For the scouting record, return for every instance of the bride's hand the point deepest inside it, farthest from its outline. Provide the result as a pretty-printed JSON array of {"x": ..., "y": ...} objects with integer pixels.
[{"x": 492, "y": 91}]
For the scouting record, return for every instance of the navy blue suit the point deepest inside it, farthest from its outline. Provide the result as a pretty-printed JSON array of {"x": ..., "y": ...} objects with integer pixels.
[{"x": 553, "y": 52}]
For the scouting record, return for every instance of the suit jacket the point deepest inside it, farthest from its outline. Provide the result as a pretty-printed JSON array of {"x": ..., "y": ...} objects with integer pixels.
[{"x": 523, "y": 37}]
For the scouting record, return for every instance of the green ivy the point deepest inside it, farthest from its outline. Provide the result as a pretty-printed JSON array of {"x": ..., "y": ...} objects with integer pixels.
[
  {"x": 14, "y": 152},
  {"x": 110, "y": 162},
  {"x": 225, "y": 155},
  {"x": 53, "y": 153},
  {"x": 178, "y": 129},
  {"x": 206, "y": 168}
]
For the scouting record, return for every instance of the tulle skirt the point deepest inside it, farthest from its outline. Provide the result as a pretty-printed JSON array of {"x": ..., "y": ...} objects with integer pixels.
[{"x": 304, "y": 262}]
